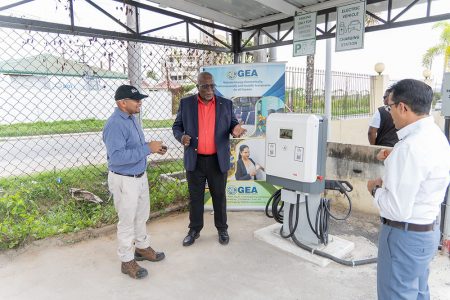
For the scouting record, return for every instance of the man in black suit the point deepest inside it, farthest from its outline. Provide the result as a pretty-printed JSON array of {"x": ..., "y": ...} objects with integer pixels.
[
  {"x": 382, "y": 131},
  {"x": 203, "y": 125}
]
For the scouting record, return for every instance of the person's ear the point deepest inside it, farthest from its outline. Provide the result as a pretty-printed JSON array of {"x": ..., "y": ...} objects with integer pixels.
[{"x": 404, "y": 107}]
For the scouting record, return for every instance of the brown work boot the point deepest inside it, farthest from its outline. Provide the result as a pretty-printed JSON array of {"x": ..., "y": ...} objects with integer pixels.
[
  {"x": 148, "y": 254},
  {"x": 133, "y": 269}
]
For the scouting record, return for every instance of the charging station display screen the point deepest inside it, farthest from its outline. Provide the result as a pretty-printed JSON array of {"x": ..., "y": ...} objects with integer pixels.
[{"x": 286, "y": 134}]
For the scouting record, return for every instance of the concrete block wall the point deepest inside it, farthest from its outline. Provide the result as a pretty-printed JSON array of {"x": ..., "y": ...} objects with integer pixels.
[
  {"x": 351, "y": 158},
  {"x": 355, "y": 164}
]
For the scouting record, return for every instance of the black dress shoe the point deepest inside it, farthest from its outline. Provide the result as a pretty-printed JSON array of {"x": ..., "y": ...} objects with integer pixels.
[
  {"x": 224, "y": 238},
  {"x": 191, "y": 237}
]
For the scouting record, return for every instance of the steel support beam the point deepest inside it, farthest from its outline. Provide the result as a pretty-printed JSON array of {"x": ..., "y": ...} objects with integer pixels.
[
  {"x": 278, "y": 31},
  {"x": 18, "y": 23}
]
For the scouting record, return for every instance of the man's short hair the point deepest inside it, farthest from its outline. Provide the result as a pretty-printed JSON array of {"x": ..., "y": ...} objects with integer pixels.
[
  {"x": 414, "y": 93},
  {"x": 204, "y": 74}
]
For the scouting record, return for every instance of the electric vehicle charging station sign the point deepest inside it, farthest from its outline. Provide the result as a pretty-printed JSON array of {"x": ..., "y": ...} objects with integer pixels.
[
  {"x": 304, "y": 41},
  {"x": 350, "y": 26}
]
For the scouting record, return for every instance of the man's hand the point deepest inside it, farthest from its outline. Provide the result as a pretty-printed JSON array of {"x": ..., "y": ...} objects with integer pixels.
[
  {"x": 238, "y": 131},
  {"x": 372, "y": 183},
  {"x": 186, "y": 140},
  {"x": 383, "y": 154},
  {"x": 157, "y": 147}
]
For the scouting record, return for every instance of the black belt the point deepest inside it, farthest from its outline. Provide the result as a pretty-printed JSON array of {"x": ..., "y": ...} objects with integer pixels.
[
  {"x": 207, "y": 155},
  {"x": 135, "y": 176},
  {"x": 408, "y": 226}
]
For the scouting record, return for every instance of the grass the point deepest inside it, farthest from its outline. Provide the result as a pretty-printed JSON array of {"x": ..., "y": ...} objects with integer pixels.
[
  {"x": 339, "y": 107},
  {"x": 61, "y": 127},
  {"x": 39, "y": 206}
]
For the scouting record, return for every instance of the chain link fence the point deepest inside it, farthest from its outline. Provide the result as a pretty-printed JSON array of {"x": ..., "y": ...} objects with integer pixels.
[
  {"x": 350, "y": 93},
  {"x": 58, "y": 91}
]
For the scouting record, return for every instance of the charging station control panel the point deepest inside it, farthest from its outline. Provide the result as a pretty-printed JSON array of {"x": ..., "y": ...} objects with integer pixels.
[{"x": 292, "y": 146}]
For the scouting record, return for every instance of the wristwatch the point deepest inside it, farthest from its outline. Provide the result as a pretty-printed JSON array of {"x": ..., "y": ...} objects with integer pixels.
[{"x": 375, "y": 188}]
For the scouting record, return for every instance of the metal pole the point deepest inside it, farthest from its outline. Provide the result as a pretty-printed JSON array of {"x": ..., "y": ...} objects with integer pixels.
[
  {"x": 134, "y": 49},
  {"x": 134, "y": 52},
  {"x": 273, "y": 54},
  {"x": 445, "y": 206},
  {"x": 236, "y": 37},
  {"x": 328, "y": 84}
]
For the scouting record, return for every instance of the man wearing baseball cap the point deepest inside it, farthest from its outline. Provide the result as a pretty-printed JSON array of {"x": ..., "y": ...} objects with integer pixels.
[{"x": 127, "y": 153}]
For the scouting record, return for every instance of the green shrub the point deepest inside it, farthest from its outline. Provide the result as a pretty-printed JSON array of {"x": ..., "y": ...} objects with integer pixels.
[{"x": 40, "y": 205}]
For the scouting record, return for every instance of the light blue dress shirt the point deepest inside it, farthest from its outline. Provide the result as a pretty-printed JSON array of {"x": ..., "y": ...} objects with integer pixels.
[{"x": 125, "y": 144}]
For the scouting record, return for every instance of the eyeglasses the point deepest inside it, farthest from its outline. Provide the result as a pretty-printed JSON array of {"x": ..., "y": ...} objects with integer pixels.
[
  {"x": 206, "y": 86},
  {"x": 387, "y": 107}
]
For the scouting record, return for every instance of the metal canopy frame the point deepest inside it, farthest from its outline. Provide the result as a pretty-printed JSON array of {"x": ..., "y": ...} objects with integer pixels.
[
  {"x": 277, "y": 32},
  {"x": 330, "y": 32}
]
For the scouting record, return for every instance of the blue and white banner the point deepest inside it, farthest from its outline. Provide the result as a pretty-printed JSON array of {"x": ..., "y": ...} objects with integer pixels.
[{"x": 256, "y": 90}]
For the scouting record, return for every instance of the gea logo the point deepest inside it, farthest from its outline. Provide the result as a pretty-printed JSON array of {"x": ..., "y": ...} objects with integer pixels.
[
  {"x": 242, "y": 73},
  {"x": 247, "y": 73},
  {"x": 241, "y": 190},
  {"x": 231, "y": 75}
]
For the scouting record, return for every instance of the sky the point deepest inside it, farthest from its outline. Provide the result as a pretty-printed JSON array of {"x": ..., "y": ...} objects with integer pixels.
[{"x": 400, "y": 49}]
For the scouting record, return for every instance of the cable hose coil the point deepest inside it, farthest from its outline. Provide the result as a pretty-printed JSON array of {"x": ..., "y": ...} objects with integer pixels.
[
  {"x": 320, "y": 229},
  {"x": 277, "y": 213}
]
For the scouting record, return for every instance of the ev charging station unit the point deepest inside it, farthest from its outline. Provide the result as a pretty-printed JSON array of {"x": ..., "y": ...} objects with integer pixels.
[
  {"x": 296, "y": 152},
  {"x": 296, "y": 148}
]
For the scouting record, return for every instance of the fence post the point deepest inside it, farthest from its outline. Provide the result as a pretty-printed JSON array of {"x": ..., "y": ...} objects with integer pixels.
[
  {"x": 328, "y": 86},
  {"x": 378, "y": 84},
  {"x": 309, "y": 82},
  {"x": 134, "y": 49}
]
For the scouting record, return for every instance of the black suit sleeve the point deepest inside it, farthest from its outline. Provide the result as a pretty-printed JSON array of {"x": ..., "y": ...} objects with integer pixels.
[
  {"x": 177, "y": 127},
  {"x": 234, "y": 120}
]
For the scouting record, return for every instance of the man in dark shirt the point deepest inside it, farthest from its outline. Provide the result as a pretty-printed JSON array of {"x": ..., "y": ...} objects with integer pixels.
[
  {"x": 382, "y": 131},
  {"x": 203, "y": 125}
]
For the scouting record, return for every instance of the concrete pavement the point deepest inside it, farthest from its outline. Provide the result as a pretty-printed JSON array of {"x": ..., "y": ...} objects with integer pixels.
[{"x": 245, "y": 269}]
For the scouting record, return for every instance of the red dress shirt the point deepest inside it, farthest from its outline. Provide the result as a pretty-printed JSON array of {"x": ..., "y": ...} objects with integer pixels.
[{"x": 206, "y": 126}]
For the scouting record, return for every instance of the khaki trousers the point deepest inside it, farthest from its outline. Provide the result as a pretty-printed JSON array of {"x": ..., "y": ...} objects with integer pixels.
[{"x": 132, "y": 202}]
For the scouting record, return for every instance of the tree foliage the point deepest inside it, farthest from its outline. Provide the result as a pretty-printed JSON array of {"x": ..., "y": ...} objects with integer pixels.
[{"x": 439, "y": 49}]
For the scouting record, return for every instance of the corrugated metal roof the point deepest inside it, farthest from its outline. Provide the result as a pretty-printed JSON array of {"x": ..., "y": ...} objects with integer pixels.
[{"x": 244, "y": 13}]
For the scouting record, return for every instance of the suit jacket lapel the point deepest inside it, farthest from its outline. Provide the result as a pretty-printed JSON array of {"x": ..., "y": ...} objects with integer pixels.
[
  {"x": 218, "y": 111},
  {"x": 195, "y": 112}
]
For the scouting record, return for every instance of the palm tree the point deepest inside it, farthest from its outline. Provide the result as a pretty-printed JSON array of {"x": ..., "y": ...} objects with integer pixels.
[{"x": 442, "y": 48}]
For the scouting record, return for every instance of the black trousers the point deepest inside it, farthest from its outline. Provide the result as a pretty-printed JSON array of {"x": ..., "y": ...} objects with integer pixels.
[{"x": 207, "y": 169}]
